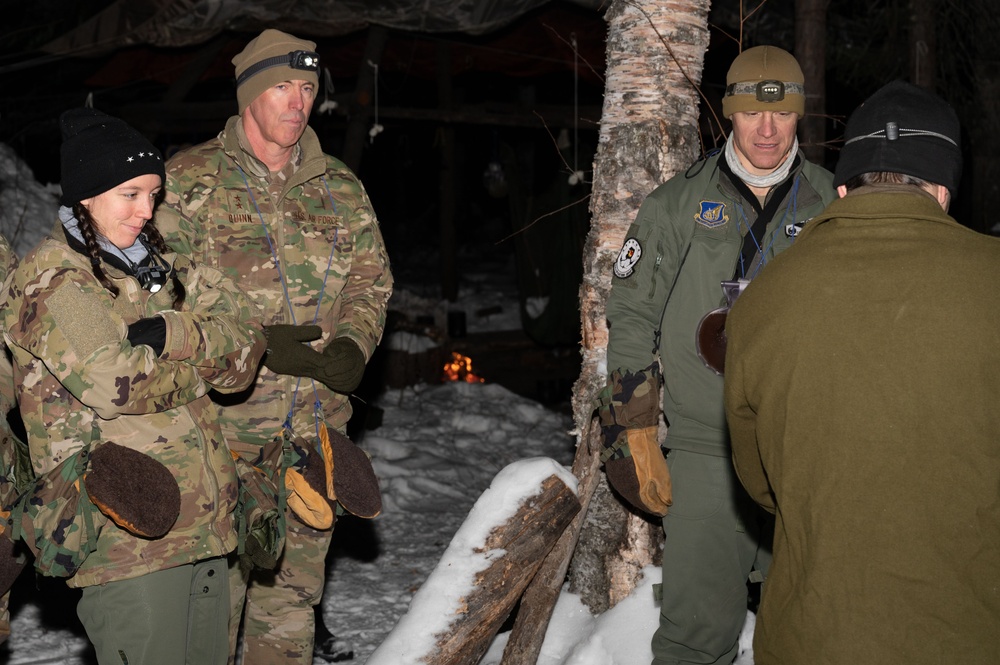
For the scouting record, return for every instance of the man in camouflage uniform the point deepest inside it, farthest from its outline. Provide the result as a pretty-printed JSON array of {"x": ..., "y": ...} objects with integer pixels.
[{"x": 294, "y": 227}]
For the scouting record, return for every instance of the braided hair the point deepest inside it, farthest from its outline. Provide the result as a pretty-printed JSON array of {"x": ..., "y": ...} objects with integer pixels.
[{"x": 88, "y": 229}]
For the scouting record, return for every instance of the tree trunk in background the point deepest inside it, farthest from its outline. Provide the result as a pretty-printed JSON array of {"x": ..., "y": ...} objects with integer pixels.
[
  {"x": 923, "y": 45},
  {"x": 810, "y": 51},
  {"x": 649, "y": 132},
  {"x": 982, "y": 176}
]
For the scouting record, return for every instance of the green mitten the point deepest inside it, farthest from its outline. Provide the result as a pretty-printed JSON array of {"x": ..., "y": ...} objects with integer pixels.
[
  {"x": 287, "y": 352},
  {"x": 345, "y": 365},
  {"x": 134, "y": 490}
]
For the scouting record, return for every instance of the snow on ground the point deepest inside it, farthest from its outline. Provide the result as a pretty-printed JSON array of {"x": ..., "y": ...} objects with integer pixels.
[{"x": 437, "y": 451}]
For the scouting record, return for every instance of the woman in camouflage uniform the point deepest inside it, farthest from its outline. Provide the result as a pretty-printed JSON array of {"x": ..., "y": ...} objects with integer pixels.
[{"x": 115, "y": 339}]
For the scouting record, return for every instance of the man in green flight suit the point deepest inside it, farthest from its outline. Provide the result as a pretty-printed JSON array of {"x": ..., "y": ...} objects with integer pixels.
[{"x": 722, "y": 220}]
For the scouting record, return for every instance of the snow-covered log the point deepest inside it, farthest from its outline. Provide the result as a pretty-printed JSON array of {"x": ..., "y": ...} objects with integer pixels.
[
  {"x": 539, "y": 599},
  {"x": 488, "y": 564}
]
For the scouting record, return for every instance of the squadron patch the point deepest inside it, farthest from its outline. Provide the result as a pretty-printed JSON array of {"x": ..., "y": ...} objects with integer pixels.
[
  {"x": 712, "y": 214},
  {"x": 627, "y": 258}
]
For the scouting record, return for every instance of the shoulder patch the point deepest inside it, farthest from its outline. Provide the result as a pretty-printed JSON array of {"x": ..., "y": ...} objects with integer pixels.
[
  {"x": 712, "y": 214},
  {"x": 792, "y": 230},
  {"x": 627, "y": 258}
]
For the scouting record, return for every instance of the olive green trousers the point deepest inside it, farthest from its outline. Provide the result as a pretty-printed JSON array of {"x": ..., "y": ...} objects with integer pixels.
[{"x": 178, "y": 616}]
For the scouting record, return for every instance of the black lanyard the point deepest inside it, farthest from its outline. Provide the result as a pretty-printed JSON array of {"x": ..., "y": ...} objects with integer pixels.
[{"x": 764, "y": 215}]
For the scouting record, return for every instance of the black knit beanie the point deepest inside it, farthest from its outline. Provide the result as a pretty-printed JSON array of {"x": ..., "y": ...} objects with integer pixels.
[
  {"x": 903, "y": 129},
  {"x": 100, "y": 152}
]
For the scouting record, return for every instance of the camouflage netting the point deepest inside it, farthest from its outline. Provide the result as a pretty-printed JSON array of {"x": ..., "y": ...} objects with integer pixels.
[{"x": 186, "y": 22}]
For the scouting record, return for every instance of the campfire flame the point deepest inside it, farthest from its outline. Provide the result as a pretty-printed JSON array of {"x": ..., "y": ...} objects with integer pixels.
[{"x": 460, "y": 369}]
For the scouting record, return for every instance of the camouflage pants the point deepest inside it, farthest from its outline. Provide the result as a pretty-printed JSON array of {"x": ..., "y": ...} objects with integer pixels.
[
  {"x": 277, "y": 606},
  {"x": 4, "y": 617}
]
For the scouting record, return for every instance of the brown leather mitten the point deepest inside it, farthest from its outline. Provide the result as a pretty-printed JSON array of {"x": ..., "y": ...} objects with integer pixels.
[
  {"x": 354, "y": 480},
  {"x": 629, "y": 410},
  {"x": 134, "y": 490},
  {"x": 640, "y": 475},
  {"x": 306, "y": 482}
]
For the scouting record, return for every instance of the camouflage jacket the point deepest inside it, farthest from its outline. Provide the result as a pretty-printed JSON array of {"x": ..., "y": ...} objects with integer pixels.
[
  {"x": 8, "y": 398},
  {"x": 315, "y": 228},
  {"x": 79, "y": 380}
]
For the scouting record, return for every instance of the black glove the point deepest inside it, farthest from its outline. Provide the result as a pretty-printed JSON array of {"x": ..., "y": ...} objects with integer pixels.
[
  {"x": 151, "y": 331},
  {"x": 286, "y": 352},
  {"x": 345, "y": 366}
]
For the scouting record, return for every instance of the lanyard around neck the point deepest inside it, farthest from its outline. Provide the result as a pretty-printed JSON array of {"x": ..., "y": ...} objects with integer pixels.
[{"x": 317, "y": 407}]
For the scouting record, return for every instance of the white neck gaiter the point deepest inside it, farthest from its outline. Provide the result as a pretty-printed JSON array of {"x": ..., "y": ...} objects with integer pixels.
[{"x": 752, "y": 180}]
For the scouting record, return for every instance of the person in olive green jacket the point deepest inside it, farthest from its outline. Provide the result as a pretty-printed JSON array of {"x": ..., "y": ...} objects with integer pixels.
[
  {"x": 722, "y": 220},
  {"x": 862, "y": 378}
]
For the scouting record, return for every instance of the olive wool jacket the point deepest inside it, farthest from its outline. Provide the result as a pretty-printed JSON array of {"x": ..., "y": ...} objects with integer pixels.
[{"x": 862, "y": 385}]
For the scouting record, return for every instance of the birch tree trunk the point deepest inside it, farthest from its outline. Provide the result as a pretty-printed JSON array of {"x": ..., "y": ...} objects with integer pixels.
[{"x": 649, "y": 132}]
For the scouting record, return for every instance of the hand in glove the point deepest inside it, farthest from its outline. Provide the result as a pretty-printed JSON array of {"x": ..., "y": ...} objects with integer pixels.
[
  {"x": 633, "y": 461},
  {"x": 340, "y": 366},
  {"x": 287, "y": 352},
  {"x": 345, "y": 367},
  {"x": 151, "y": 331}
]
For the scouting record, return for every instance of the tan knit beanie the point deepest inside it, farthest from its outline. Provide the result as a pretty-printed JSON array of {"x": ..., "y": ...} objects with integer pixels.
[
  {"x": 270, "y": 58},
  {"x": 764, "y": 78}
]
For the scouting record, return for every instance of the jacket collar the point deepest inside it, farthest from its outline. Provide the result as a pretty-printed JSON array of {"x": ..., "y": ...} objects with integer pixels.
[{"x": 308, "y": 152}]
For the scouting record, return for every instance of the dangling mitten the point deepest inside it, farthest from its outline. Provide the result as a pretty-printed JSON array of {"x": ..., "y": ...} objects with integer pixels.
[
  {"x": 354, "y": 481},
  {"x": 307, "y": 479},
  {"x": 134, "y": 490}
]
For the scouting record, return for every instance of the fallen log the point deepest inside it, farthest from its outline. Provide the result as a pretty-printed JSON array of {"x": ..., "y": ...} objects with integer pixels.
[
  {"x": 455, "y": 615},
  {"x": 525, "y": 642}
]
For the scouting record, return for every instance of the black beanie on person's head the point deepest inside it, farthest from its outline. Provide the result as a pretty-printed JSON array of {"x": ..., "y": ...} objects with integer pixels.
[
  {"x": 903, "y": 129},
  {"x": 100, "y": 152}
]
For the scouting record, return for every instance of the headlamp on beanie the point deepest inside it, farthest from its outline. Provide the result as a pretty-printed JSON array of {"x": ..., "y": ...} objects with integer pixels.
[
  {"x": 764, "y": 78},
  {"x": 892, "y": 132},
  {"x": 903, "y": 129},
  {"x": 305, "y": 60},
  {"x": 766, "y": 91},
  {"x": 270, "y": 58}
]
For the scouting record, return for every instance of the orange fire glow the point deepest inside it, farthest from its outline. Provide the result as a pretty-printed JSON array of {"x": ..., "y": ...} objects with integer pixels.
[{"x": 460, "y": 369}]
